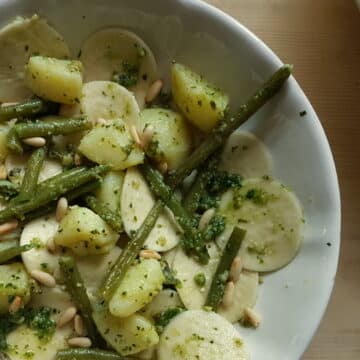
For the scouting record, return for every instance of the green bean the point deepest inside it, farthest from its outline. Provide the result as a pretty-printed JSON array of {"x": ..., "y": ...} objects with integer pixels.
[
  {"x": 220, "y": 133},
  {"x": 109, "y": 216},
  {"x": 8, "y": 189},
  {"x": 13, "y": 142},
  {"x": 193, "y": 239},
  {"x": 13, "y": 251},
  {"x": 51, "y": 189},
  {"x": 197, "y": 190},
  {"x": 130, "y": 252},
  {"x": 56, "y": 126},
  {"x": 76, "y": 288},
  {"x": 11, "y": 236},
  {"x": 31, "y": 176},
  {"x": 160, "y": 189},
  {"x": 27, "y": 108},
  {"x": 220, "y": 278},
  {"x": 70, "y": 196},
  {"x": 88, "y": 354}
]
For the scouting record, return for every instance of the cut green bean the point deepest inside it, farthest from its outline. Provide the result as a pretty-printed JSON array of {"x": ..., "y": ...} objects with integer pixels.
[
  {"x": 7, "y": 189},
  {"x": 193, "y": 241},
  {"x": 13, "y": 142},
  {"x": 27, "y": 108},
  {"x": 109, "y": 216},
  {"x": 88, "y": 354},
  {"x": 51, "y": 189},
  {"x": 130, "y": 252},
  {"x": 13, "y": 251},
  {"x": 166, "y": 194},
  {"x": 31, "y": 176},
  {"x": 70, "y": 196},
  {"x": 220, "y": 133},
  {"x": 220, "y": 278},
  {"x": 58, "y": 126},
  {"x": 76, "y": 288}
]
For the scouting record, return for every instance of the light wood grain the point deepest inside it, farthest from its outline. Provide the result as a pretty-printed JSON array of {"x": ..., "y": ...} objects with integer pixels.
[{"x": 322, "y": 39}]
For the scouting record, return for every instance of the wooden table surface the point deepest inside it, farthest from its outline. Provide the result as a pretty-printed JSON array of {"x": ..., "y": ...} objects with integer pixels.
[{"x": 322, "y": 39}]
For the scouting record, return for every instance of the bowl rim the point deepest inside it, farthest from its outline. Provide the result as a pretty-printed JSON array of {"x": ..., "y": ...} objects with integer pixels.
[{"x": 270, "y": 57}]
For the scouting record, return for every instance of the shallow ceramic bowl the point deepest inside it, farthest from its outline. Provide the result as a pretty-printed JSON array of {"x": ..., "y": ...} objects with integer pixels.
[{"x": 292, "y": 301}]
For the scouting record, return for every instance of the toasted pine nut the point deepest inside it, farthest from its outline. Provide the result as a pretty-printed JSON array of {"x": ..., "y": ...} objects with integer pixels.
[
  {"x": 147, "y": 136},
  {"x": 66, "y": 316},
  {"x": 50, "y": 245},
  {"x": 15, "y": 305},
  {"x": 150, "y": 254},
  {"x": 154, "y": 91},
  {"x": 228, "y": 294},
  {"x": 78, "y": 325},
  {"x": 43, "y": 278},
  {"x": 205, "y": 218},
  {"x": 251, "y": 317},
  {"x": 61, "y": 208},
  {"x": 135, "y": 135},
  {"x": 163, "y": 167},
  {"x": 77, "y": 160},
  {"x": 3, "y": 172},
  {"x": 83, "y": 342},
  {"x": 100, "y": 121},
  {"x": 35, "y": 141},
  {"x": 235, "y": 269},
  {"x": 8, "y": 227}
]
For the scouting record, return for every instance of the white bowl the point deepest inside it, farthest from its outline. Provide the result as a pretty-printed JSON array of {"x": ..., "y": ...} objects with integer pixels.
[{"x": 292, "y": 300}]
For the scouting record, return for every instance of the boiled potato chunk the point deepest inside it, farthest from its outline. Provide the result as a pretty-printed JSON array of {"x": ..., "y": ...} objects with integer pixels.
[
  {"x": 141, "y": 283},
  {"x": 14, "y": 281},
  {"x": 111, "y": 144},
  {"x": 201, "y": 102},
  {"x": 171, "y": 140},
  {"x": 54, "y": 79},
  {"x": 85, "y": 232},
  {"x": 128, "y": 335}
]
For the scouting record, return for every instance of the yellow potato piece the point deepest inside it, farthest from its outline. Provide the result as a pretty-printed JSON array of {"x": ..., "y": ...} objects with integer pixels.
[
  {"x": 141, "y": 283},
  {"x": 54, "y": 79},
  {"x": 111, "y": 144},
  {"x": 201, "y": 102},
  {"x": 85, "y": 232}
]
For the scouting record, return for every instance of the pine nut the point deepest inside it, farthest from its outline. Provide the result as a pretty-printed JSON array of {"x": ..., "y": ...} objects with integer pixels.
[
  {"x": 66, "y": 316},
  {"x": 150, "y": 254},
  {"x": 147, "y": 136},
  {"x": 77, "y": 160},
  {"x": 3, "y": 172},
  {"x": 163, "y": 167},
  {"x": 100, "y": 121},
  {"x": 61, "y": 208},
  {"x": 43, "y": 278},
  {"x": 135, "y": 135},
  {"x": 83, "y": 342},
  {"x": 8, "y": 227},
  {"x": 205, "y": 218},
  {"x": 228, "y": 294},
  {"x": 235, "y": 269},
  {"x": 15, "y": 305},
  {"x": 35, "y": 141},
  {"x": 251, "y": 317},
  {"x": 78, "y": 325},
  {"x": 154, "y": 91},
  {"x": 50, "y": 245}
]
